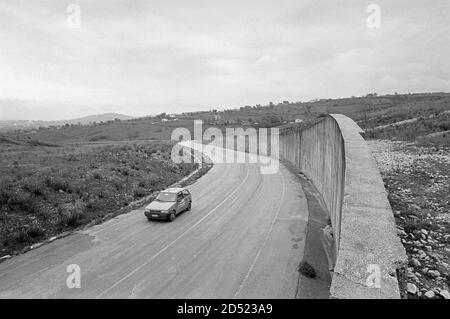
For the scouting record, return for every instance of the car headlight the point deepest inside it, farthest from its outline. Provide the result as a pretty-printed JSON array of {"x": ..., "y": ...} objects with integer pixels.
[{"x": 164, "y": 211}]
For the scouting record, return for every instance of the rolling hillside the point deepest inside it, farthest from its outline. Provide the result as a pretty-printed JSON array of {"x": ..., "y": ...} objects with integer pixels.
[
  {"x": 369, "y": 112},
  {"x": 23, "y": 124}
]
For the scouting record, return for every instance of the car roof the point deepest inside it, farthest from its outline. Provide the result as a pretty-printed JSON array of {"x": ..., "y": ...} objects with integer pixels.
[{"x": 174, "y": 190}]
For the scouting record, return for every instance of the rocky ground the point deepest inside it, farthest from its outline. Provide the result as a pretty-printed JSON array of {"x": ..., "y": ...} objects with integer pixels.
[{"x": 418, "y": 183}]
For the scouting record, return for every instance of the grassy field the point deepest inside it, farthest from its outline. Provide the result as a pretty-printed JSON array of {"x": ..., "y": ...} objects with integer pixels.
[
  {"x": 47, "y": 190},
  {"x": 431, "y": 130}
]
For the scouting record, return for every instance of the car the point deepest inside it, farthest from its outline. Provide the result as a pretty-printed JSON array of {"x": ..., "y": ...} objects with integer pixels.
[{"x": 169, "y": 203}]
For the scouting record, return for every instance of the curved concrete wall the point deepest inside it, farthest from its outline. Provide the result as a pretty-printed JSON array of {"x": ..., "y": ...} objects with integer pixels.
[{"x": 336, "y": 158}]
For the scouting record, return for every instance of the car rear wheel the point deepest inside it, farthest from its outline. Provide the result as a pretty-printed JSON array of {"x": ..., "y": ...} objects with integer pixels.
[{"x": 172, "y": 217}]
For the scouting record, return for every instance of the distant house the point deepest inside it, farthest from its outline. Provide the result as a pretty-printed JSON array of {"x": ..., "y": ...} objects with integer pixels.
[
  {"x": 298, "y": 120},
  {"x": 164, "y": 120}
]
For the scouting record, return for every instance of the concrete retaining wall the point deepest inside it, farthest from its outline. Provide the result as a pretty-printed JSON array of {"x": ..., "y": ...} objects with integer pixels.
[{"x": 334, "y": 156}]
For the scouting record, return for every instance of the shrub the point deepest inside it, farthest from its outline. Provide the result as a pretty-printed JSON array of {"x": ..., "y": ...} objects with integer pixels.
[
  {"x": 34, "y": 188},
  {"x": 98, "y": 138},
  {"x": 307, "y": 270},
  {"x": 142, "y": 184},
  {"x": 5, "y": 195},
  {"x": 72, "y": 158},
  {"x": 73, "y": 215},
  {"x": 57, "y": 184},
  {"x": 118, "y": 185},
  {"x": 35, "y": 232},
  {"x": 139, "y": 192},
  {"x": 97, "y": 175},
  {"x": 21, "y": 236},
  {"x": 21, "y": 201},
  {"x": 124, "y": 171},
  {"x": 93, "y": 205}
]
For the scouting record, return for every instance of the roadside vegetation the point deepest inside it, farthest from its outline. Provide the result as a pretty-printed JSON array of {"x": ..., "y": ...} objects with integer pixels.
[
  {"x": 431, "y": 130},
  {"x": 48, "y": 190}
]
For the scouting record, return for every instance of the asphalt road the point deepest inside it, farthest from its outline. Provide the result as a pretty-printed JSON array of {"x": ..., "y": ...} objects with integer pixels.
[{"x": 243, "y": 238}]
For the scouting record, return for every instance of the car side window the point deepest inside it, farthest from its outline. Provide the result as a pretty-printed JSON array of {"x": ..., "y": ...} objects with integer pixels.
[{"x": 179, "y": 196}]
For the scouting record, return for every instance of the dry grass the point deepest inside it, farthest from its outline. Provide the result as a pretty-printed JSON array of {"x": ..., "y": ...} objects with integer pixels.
[{"x": 45, "y": 191}]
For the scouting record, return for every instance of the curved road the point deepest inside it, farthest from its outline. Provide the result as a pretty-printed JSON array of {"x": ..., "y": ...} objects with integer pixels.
[{"x": 243, "y": 238}]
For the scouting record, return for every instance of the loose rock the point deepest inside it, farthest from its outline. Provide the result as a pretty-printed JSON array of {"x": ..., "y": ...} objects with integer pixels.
[
  {"x": 430, "y": 294},
  {"x": 434, "y": 273},
  {"x": 445, "y": 294},
  {"x": 411, "y": 288},
  {"x": 415, "y": 262}
]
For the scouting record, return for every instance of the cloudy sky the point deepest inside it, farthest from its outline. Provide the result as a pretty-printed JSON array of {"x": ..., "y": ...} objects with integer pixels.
[{"x": 144, "y": 57}]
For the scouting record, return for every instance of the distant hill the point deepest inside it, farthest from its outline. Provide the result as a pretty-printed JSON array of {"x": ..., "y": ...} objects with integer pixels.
[
  {"x": 97, "y": 118},
  {"x": 369, "y": 112}
]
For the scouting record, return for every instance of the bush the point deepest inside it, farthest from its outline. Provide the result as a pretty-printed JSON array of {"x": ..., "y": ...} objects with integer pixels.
[
  {"x": 21, "y": 236},
  {"x": 35, "y": 232},
  {"x": 34, "y": 188},
  {"x": 5, "y": 195},
  {"x": 307, "y": 270},
  {"x": 140, "y": 192},
  {"x": 98, "y": 138},
  {"x": 72, "y": 158},
  {"x": 118, "y": 185},
  {"x": 93, "y": 205},
  {"x": 97, "y": 175},
  {"x": 124, "y": 171},
  {"x": 19, "y": 201},
  {"x": 73, "y": 215},
  {"x": 57, "y": 184},
  {"x": 142, "y": 184}
]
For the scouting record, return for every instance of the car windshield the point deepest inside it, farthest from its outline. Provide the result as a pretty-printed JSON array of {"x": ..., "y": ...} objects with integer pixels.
[{"x": 167, "y": 197}]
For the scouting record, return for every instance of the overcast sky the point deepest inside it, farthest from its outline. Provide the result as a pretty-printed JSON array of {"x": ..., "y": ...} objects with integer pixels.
[{"x": 144, "y": 57}]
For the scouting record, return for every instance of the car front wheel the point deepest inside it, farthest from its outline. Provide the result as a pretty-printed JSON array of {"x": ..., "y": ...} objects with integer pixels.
[
  {"x": 189, "y": 207},
  {"x": 172, "y": 217}
]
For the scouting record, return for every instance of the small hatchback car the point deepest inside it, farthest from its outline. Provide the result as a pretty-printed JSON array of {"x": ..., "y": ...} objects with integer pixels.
[{"x": 168, "y": 204}]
